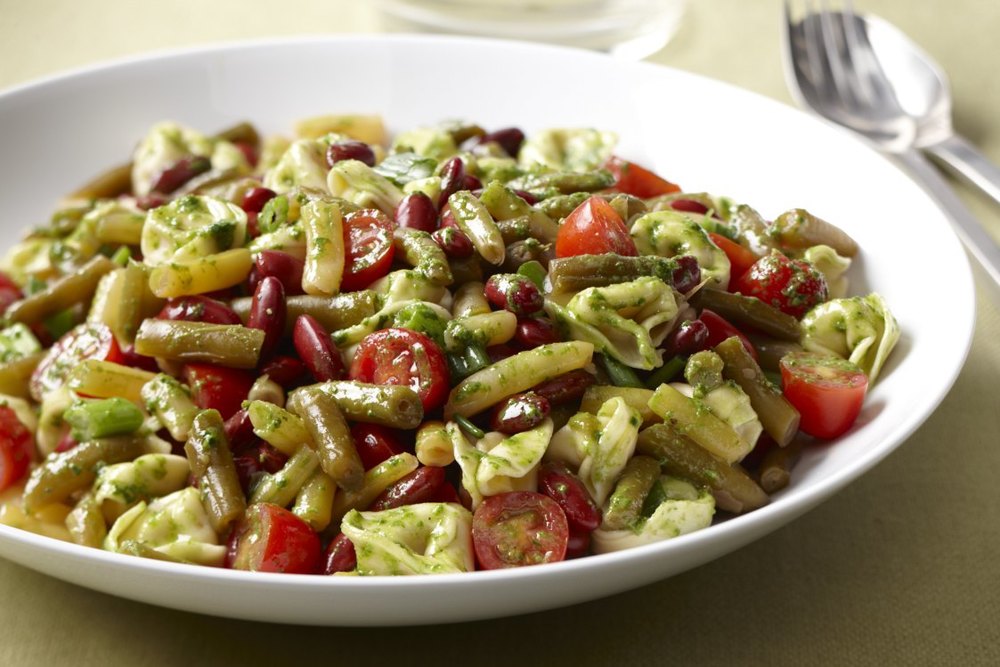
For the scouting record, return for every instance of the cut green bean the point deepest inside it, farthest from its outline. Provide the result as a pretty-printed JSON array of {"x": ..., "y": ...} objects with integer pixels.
[
  {"x": 733, "y": 489},
  {"x": 212, "y": 465},
  {"x": 70, "y": 290},
  {"x": 693, "y": 419},
  {"x": 469, "y": 427},
  {"x": 281, "y": 487},
  {"x": 776, "y": 468},
  {"x": 92, "y": 419},
  {"x": 778, "y": 417},
  {"x": 389, "y": 405},
  {"x": 572, "y": 274},
  {"x": 169, "y": 401},
  {"x": 336, "y": 312},
  {"x": 666, "y": 373},
  {"x": 229, "y": 345},
  {"x": 331, "y": 438},
  {"x": 619, "y": 374},
  {"x": 624, "y": 506},
  {"x": 751, "y": 312},
  {"x": 703, "y": 371},
  {"x": 15, "y": 375}
]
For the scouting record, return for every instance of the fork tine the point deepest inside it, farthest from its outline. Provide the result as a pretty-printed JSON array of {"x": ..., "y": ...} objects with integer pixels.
[{"x": 832, "y": 38}]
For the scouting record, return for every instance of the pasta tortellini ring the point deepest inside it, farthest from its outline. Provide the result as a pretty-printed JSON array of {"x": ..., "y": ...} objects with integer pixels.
[
  {"x": 671, "y": 233},
  {"x": 167, "y": 143},
  {"x": 191, "y": 228},
  {"x": 302, "y": 165},
  {"x": 859, "y": 328}
]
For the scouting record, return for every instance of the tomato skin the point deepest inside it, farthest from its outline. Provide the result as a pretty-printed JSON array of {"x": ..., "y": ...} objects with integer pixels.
[
  {"x": 827, "y": 391},
  {"x": 271, "y": 539},
  {"x": 403, "y": 357},
  {"x": 638, "y": 181},
  {"x": 217, "y": 387},
  {"x": 594, "y": 228},
  {"x": 90, "y": 340},
  {"x": 740, "y": 258},
  {"x": 519, "y": 528},
  {"x": 375, "y": 443},
  {"x": 16, "y": 446},
  {"x": 791, "y": 286},
  {"x": 719, "y": 329},
  {"x": 368, "y": 248}
]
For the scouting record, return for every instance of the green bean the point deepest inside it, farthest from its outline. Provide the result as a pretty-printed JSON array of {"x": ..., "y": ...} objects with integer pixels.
[
  {"x": 770, "y": 351},
  {"x": 131, "y": 297},
  {"x": 703, "y": 370},
  {"x": 282, "y": 487},
  {"x": 627, "y": 206},
  {"x": 331, "y": 439},
  {"x": 314, "y": 504},
  {"x": 751, "y": 312},
  {"x": 229, "y": 345},
  {"x": 505, "y": 205},
  {"x": 572, "y": 274},
  {"x": 389, "y": 405},
  {"x": 776, "y": 468},
  {"x": 800, "y": 229},
  {"x": 70, "y": 290},
  {"x": 14, "y": 375},
  {"x": 619, "y": 374},
  {"x": 733, "y": 489},
  {"x": 61, "y": 475},
  {"x": 333, "y": 312},
  {"x": 636, "y": 398},
  {"x": 528, "y": 251},
  {"x": 665, "y": 373},
  {"x": 695, "y": 420},
  {"x": 107, "y": 185},
  {"x": 477, "y": 223},
  {"x": 552, "y": 183},
  {"x": 514, "y": 229},
  {"x": 419, "y": 250},
  {"x": 560, "y": 206},
  {"x": 212, "y": 466},
  {"x": 277, "y": 426},
  {"x": 86, "y": 523},
  {"x": 168, "y": 400},
  {"x": 469, "y": 427},
  {"x": 92, "y": 419},
  {"x": 778, "y": 417},
  {"x": 624, "y": 506}
]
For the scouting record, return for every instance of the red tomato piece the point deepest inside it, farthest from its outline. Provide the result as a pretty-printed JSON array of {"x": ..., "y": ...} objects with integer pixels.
[
  {"x": 271, "y": 539},
  {"x": 827, "y": 392},
  {"x": 375, "y": 443},
  {"x": 638, "y": 181},
  {"x": 403, "y": 357},
  {"x": 368, "y": 248},
  {"x": 16, "y": 445},
  {"x": 217, "y": 387},
  {"x": 740, "y": 258},
  {"x": 719, "y": 329},
  {"x": 9, "y": 292},
  {"x": 91, "y": 340},
  {"x": 594, "y": 228},
  {"x": 791, "y": 286},
  {"x": 519, "y": 528}
]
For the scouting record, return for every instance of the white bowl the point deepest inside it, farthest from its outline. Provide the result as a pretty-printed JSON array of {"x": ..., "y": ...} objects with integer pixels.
[{"x": 708, "y": 136}]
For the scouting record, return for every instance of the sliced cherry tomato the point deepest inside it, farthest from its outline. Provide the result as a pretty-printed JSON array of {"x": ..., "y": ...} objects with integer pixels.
[
  {"x": 375, "y": 443},
  {"x": 16, "y": 445},
  {"x": 740, "y": 258},
  {"x": 9, "y": 292},
  {"x": 638, "y": 181},
  {"x": 594, "y": 228},
  {"x": 271, "y": 539},
  {"x": 791, "y": 286},
  {"x": 420, "y": 486},
  {"x": 719, "y": 329},
  {"x": 519, "y": 528},
  {"x": 91, "y": 340},
  {"x": 403, "y": 357},
  {"x": 557, "y": 482},
  {"x": 217, "y": 387},
  {"x": 827, "y": 391},
  {"x": 368, "y": 248}
]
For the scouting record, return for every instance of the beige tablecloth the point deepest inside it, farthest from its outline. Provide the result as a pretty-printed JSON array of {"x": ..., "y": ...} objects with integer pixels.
[{"x": 901, "y": 568}]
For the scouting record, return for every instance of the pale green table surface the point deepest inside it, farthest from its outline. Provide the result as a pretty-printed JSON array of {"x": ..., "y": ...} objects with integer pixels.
[{"x": 901, "y": 568}]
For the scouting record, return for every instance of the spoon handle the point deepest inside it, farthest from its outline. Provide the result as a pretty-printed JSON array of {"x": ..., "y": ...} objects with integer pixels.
[
  {"x": 977, "y": 241},
  {"x": 968, "y": 161}
]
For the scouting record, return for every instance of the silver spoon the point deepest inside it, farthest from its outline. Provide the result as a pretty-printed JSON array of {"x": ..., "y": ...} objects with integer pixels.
[{"x": 834, "y": 68}]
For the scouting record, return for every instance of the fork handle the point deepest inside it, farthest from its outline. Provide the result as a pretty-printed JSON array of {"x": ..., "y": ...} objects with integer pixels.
[
  {"x": 968, "y": 161},
  {"x": 977, "y": 241}
]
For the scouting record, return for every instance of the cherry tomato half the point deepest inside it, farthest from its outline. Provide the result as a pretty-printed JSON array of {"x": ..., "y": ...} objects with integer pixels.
[
  {"x": 15, "y": 447},
  {"x": 217, "y": 387},
  {"x": 85, "y": 341},
  {"x": 368, "y": 248},
  {"x": 594, "y": 228},
  {"x": 638, "y": 181},
  {"x": 271, "y": 539},
  {"x": 740, "y": 258},
  {"x": 403, "y": 357},
  {"x": 519, "y": 528},
  {"x": 791, "y": 286},
  {"x": 827, "y": 392}
]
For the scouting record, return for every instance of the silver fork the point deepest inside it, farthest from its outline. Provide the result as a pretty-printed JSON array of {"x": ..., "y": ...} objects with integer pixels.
[{"x": 832, "y": 69}]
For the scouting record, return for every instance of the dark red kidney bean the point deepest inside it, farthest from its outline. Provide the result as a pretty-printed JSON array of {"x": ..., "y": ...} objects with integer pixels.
[
  {"x": 689, "y": 337},
  {"x": 255, "y": 198},
  {"x": 521, "y": 412},
  {"x": 470, "y": 182},
  {"x": 180, "y": 173},
  {"x": 527, "y": 196},
  {"x": 687, "y": 275},
  {"x": 534, "y": 331},
  {"x": 375, "y": 443},
  {"x": 350, "y": 150},
  {"x": 66, "y": 442},
  {"x": 283, "y": 266},
  {"x": 420, "y": 486},
  {"x": 256, "y": 461},
  {"x": 316, "y": 349},
  {"x": 446, "y": 494},
  {"x": 267, "y": 313},
  {"x": 688, "y": 206},
  {"x": 559, "y": 483},
  {"x": 500, "y": 351},
  {"x": 9, "y": 292},
  {"x": 135, "y": 360},
  {"x": 513, "y": 292},
  {"x": 416, "y": 211},
  {"x": 578, "y": 544},
  {"x": 453, "y": 242},
  {"x": 239, "y": 431},
  {"x": 509, "y": 138},
  {"x": 446, "y": 218},
  {"x": 452, "y": 179},
  {"x": 249, "y": 151},
  {"x": 198, "y": 308},
  {"x": 340, "y": 555},
  {"x": 151, "y": 201},
  {"x": 287, "y": 371},
  {"x": 565, "y": 388},
  {"x": 253, "y": 227}
]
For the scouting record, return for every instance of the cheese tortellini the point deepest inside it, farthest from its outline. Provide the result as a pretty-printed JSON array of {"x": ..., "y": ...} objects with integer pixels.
[
  {"x": 302, "y": 165},
  {"x": 575, "y": 149},
  {"x": 190, "y": 228},
  {"x": 672, "y": 233},
  {"x": 859, "y": 328},
  {"x": 121, "y": 485},
  {"x": 168, "y": 142}
]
